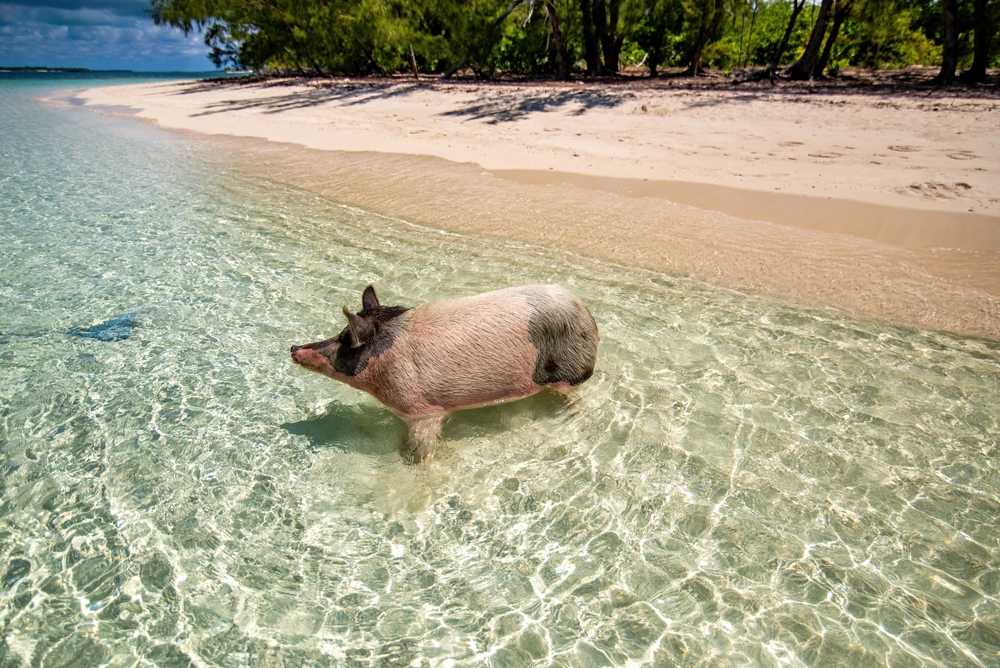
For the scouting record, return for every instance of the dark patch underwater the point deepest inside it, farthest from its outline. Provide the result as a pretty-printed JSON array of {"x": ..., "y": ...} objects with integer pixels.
[{"x": 116, "y": 328}]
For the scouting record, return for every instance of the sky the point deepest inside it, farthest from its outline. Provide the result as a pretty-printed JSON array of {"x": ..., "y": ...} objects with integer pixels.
[{"x": 95, "y": 34}]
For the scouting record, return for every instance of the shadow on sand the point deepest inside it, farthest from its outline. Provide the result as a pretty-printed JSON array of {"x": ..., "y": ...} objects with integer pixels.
[
  {"x": 502, "y": 108},
  {"x": 513, "y": 100}
]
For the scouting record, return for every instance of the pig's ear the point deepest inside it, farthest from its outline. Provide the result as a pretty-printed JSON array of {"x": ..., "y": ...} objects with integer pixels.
[
  {"x": 361, "y": 330},
  {"x": 369, "y": 301}
]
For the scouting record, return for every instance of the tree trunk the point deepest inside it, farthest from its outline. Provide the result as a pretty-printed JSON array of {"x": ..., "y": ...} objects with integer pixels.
[
  {"x": 600, "y": 26},
  {"x": 454, "y": 68},
  {"x": 694, "y": 69},
  {"x": 980, "y": 44},
  {"x": 550, "y": 13},
  {"x": 606, "y": 24},
  {"x": 949, "y": 60},
  {"x": 590, "y": 49},
  {"x": 753, "y": 18},
  {"x": 413, "y": 62},
  {"x": 612, "y": 53},
  {"x": 655, "y": 54},
  {"x": 797, "y": 6},
  {"x": 839, "y": 16},
  {"x": 803, "y": 68}
]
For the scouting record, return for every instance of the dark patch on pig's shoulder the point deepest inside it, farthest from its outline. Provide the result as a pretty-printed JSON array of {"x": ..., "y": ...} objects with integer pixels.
[
  {"x": 352, "y": 361},
  {"x": 565, "y": 335}
]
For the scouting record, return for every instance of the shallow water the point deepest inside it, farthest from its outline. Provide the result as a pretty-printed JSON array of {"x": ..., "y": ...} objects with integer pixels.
[{"x": 743, "y": 482}]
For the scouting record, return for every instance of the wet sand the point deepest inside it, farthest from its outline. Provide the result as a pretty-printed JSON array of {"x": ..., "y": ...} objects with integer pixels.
[{"x": 878, "y": 239}]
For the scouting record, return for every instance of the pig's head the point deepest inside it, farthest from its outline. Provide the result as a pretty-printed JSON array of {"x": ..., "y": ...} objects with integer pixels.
[{"x": 367, "y": 334}]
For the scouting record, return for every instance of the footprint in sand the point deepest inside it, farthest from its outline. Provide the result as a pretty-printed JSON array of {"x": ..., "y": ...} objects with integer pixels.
[
  {"x": 904, "y": 149},
  {"x": 790, "y": 143},
  {"x": 828, "y": 154},
  {"x": 933, "y": 190},
  {"x": 962, "y": 155}
]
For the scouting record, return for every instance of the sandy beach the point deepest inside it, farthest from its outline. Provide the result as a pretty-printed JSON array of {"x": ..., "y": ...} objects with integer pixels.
[{"x": 884, "y": 204}]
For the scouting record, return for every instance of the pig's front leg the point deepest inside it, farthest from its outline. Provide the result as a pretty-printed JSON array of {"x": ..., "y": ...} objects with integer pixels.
[{"x": 424, "y": 432}]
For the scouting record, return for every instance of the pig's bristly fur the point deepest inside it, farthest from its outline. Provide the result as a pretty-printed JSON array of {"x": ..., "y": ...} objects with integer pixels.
[{"x": 458, "y": 353}]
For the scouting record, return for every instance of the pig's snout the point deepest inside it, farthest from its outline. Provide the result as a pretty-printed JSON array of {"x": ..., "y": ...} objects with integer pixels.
[
  {"x": 306, "y": 355},
  {"x": 311, "y": 356}
]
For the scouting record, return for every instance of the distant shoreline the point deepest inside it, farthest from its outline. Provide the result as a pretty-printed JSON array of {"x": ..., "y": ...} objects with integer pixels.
[
  {"x": 54, "y": 69},
  {"x": 201, "y": 74},
  {"x": 898, "y": 213}
]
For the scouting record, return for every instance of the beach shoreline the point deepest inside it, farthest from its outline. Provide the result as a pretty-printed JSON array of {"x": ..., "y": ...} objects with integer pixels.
[{"x": 678, "y": 180}]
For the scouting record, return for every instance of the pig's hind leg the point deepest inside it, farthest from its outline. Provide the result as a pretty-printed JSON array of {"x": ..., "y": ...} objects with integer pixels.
[
  {"x": 424, "y": 433},
  {"x": 570, "y": 399}
]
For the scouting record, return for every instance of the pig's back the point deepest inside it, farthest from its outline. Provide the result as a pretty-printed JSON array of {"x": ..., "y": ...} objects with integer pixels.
[{"x": 497, "y": 346}]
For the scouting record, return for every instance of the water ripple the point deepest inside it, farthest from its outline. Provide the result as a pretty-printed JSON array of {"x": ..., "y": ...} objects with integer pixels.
[{"x": 741, "y": 482}]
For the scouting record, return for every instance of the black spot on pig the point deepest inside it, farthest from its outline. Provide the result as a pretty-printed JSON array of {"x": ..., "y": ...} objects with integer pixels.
[
  {"x": 565, "y": 336},
  {"x": 551, "y": 366}
]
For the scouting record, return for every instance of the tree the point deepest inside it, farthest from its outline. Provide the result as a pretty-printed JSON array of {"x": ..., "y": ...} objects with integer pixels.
[
  {"x": 949, "y": 56},
  {"x": 591, "y": 48},
  {"x": 743, "y": 55},
  {"x": 804, "y": 66},
  {"x": 984, "y": 37},
  {"x": 472, "y": 32},
  {"x": 557, "y": 36},
  {"x": 606, "y": 15},
  {"x": 366, "y": 37},
  {"x": 707, "y": 32},
  {"x": 772, "y": 68},
  {"x": 659, "y": 18},
  {"x": 840, "y": 14},
  {"x": 355, "y": 37}
]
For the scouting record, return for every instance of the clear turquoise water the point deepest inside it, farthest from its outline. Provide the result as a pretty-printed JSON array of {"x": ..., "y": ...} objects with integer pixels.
[{"x": 743, "y": 482}]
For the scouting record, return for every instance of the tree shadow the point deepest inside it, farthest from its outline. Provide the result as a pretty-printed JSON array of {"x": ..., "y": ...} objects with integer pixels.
[
  {"x": 297, "y": 96},
  {"x": 502, "y": 108},
  {"x": 507, "y": 108},
  {"x": 533, "y": 96}
]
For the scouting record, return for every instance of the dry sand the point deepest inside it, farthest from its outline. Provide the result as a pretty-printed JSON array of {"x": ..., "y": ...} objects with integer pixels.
[{"x": 884, "y": 204}]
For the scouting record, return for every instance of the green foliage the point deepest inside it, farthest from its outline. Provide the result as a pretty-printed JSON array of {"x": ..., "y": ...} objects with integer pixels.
[
  {"x": 697, "y": 14},
  {"x": 719, "y": 54},
  {"x": 632, "y": 53},
  {"x": 885, "y": 33},
  {"x": 506, "y": 36},
  {"x": 448, "y": 33},
  {"x": 771, "y": 22},
  {"x": 523, "y": 45},
  {"x": 658, "y": 32}
]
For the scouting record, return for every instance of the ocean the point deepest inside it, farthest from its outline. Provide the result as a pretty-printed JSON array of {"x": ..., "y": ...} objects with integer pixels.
[{"x": 743, "y": 482}]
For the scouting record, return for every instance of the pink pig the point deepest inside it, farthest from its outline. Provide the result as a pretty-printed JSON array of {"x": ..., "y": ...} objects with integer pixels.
[{"x": 425, "y": 362}]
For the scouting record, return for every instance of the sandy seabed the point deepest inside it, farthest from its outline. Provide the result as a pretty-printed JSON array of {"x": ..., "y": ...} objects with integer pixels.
[{"x": 886, "y": 204}]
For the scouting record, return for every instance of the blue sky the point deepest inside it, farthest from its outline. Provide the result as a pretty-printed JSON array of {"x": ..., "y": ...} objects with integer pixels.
[{"x": 96, "y": 34}]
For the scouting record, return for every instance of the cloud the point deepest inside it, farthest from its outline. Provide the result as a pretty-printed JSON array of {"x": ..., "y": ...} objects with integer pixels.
[
  {"x": 96, "y": 34},
  {"x": 65, "y": 17},
  {"x": 131, "y": 8}
]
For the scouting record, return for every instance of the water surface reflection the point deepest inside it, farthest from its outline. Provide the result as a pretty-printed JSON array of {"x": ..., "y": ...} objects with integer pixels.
[{"x": 743, "y": 482}]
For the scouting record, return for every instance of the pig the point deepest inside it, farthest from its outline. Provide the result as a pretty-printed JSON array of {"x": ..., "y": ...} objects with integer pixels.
[{"x": 425, "y": 362}]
